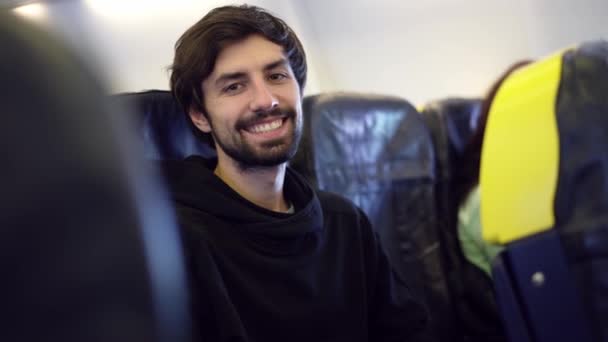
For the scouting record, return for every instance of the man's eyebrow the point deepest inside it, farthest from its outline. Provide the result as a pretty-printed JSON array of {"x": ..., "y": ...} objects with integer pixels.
[
  {"x": 238, "y": 75},
  {"x": 275, "y": 64}
]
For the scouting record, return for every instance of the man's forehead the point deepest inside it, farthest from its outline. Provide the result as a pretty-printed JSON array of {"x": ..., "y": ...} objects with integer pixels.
[{"x": 252, "y": 53}]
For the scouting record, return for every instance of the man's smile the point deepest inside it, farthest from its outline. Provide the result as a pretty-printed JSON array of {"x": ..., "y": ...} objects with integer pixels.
[{"x": 266, "y": 126}]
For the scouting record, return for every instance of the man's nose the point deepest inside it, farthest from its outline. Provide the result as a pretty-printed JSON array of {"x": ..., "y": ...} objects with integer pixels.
[{"x": 262, "y": 98}]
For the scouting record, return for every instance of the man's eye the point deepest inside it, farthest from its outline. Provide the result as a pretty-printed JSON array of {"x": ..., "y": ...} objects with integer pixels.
[
  {"x": 277, "y": 77},
  {"x": 232, "y": 88}
]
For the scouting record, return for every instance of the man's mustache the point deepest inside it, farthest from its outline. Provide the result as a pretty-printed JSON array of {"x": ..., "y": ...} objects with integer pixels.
[{"x": 261, "y": 115}]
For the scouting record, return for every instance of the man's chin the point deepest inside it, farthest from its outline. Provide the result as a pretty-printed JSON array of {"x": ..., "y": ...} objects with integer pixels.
[
  {"x": 272, "y": 157},
  {"x": 266, "y": 154}
]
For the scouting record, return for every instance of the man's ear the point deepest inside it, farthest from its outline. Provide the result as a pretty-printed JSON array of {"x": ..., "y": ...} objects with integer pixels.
[{"x": 200, "y": 120}]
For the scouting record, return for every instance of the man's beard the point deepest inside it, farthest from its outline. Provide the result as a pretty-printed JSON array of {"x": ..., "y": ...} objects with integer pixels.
[{"x": 269, "y": 153}]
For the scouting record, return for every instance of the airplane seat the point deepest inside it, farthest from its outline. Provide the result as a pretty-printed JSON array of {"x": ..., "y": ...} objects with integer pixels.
[
  {"x": 163, "y": 129},
  {"x": 473, "y": 314},
  {"x": 89, "y": 247},
  {"x": 544, "y": 196},
  {"x": 376, "y": 151}
]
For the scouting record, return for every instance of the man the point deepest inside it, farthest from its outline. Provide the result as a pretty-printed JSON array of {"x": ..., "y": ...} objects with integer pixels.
[{"x": 270, "y": 258}]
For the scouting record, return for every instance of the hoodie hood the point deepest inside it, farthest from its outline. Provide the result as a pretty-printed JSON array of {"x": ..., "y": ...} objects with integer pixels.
[{"x": 194, "y": 185}]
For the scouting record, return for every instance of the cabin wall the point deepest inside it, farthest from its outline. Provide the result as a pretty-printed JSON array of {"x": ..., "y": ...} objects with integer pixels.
[
  {"x": 430, "y": 49},
  {"x": 419, "y": 50}
]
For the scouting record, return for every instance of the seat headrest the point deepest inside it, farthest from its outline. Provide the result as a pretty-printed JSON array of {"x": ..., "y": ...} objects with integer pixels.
[
  {"x": 452, "y": 122},
  {"x": 352, "y": 133},
  {"x": 543, "y": 162},
  {"x": 459, "y": 118},
  {"x": 356, "y": 144},
  {"x": 163, "y": 127}
]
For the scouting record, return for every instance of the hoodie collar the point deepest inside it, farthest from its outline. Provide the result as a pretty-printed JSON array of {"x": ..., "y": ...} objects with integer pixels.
[{"x": 195, "y": 185}]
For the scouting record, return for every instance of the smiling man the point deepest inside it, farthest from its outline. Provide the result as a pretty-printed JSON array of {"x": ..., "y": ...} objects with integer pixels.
[
  {"x": 270, "y": 258},
  {"x": 252, "y": 109}
]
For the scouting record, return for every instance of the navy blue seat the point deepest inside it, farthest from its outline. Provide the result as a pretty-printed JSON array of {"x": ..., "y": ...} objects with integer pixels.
[
  {"x": 162, "y": 127},
  {"x": 470, "y": 306}
]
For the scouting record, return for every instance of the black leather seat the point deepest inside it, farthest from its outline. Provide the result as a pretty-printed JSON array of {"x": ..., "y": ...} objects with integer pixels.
[
  {"x": 377, "y": 151},
  {"x": 163, "y": 131},
  {"x": 473, "y": 314},
  {"x": 88, "y": 242}
]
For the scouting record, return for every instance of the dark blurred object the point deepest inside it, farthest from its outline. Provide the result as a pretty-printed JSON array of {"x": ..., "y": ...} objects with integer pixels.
[
  {"x": 581, "y": 201},
  {"x": 474, "y": 314},
  {"x": 89, "y": 249}
]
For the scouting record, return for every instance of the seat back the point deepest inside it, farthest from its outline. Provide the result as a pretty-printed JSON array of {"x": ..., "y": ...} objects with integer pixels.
[
  {"x": 88, "y": 243},
  {"x": 473, "y": 311},
  {"x": 546, "y": 197},
  {"x": 377, "y": 151}
]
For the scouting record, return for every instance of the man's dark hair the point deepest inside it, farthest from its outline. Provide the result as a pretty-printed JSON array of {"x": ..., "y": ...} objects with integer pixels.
[{"x": 197, "y": 49}]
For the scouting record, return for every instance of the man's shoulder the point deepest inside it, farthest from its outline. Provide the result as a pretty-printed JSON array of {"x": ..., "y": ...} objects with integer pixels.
[
  {"x": 345, "y": 220},
  {"x": 337, "y": 204}
]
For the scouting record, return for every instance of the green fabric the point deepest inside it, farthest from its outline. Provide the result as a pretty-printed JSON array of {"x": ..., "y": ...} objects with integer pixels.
[{"x": 475, "y": 249}]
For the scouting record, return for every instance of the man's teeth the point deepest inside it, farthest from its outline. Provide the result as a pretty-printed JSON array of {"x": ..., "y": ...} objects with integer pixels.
[{"x": 265, "y": 127}]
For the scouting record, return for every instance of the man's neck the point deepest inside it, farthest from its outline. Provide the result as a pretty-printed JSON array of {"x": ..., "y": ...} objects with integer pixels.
[{"x": 261, "y": 186}]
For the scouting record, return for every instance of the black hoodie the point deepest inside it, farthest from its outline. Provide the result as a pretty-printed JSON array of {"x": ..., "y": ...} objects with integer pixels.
[{"x": 256, "y": 275}]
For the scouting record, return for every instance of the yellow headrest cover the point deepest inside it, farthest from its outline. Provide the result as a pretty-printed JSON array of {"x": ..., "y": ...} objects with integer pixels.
[{"x": 520, "y": 155}]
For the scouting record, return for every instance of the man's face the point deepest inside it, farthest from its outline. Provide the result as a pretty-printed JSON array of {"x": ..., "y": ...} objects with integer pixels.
[{"x": 253, "y": 104}]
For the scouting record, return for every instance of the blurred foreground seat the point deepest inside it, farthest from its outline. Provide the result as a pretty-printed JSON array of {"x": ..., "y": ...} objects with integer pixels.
[{"x": 89, "y": 248}]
